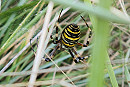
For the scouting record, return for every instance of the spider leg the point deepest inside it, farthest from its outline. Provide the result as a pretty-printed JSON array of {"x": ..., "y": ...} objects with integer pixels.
[
  {"x": 52, "y": 53},
  {"x": 55, "y": 42},
  {"x": 71, "y": 53},
  {"x": 78, "y": 58},
  {"x": 90, "y": 34}
]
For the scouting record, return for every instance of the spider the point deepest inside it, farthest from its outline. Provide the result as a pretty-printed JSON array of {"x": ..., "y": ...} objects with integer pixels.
[{"x": 68, "y": 39}]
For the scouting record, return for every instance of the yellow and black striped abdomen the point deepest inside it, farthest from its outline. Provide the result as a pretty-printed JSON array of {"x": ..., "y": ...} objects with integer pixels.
[{"x": 70, "y": 35}]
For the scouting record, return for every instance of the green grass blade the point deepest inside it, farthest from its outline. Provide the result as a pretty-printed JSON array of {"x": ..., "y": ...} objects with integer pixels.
[
  {"x": 7, "y": 33},
  {"x": 101, "y": 31},
  {"x": 5, "y": 27},
  {"x": 111, "y": 72},
  {"x": 95, "y": 10},
  {"x": 16, "y": 9},
  {"x": 16, "y": 31},
  {"x": 127, "y": 74},
  {"x": 108, "y": 65}
]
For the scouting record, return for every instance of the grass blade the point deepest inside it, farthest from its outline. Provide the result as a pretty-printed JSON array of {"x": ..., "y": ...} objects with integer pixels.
[
  {"x": 95, "y": 10},
  {"x": 101, "y": 30},
  {"x": 111, "y": 72},
  {"x": 6, "y": 44}
]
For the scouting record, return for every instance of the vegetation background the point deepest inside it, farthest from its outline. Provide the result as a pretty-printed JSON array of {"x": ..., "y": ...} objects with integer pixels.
[{"x": 22, "y": 20}]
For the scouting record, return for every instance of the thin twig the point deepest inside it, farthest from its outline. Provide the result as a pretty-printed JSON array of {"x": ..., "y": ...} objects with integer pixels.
[{"x": 60, "y": 70}]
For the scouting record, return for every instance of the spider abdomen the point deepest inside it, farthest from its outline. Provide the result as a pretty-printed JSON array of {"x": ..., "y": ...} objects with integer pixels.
[{"x": 70, "y": 35}]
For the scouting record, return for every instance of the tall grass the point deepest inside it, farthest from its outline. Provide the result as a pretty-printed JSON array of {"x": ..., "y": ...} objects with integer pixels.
[
  {"x": 22, "y": 20},
  {"x": 99, "y": 53}
]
